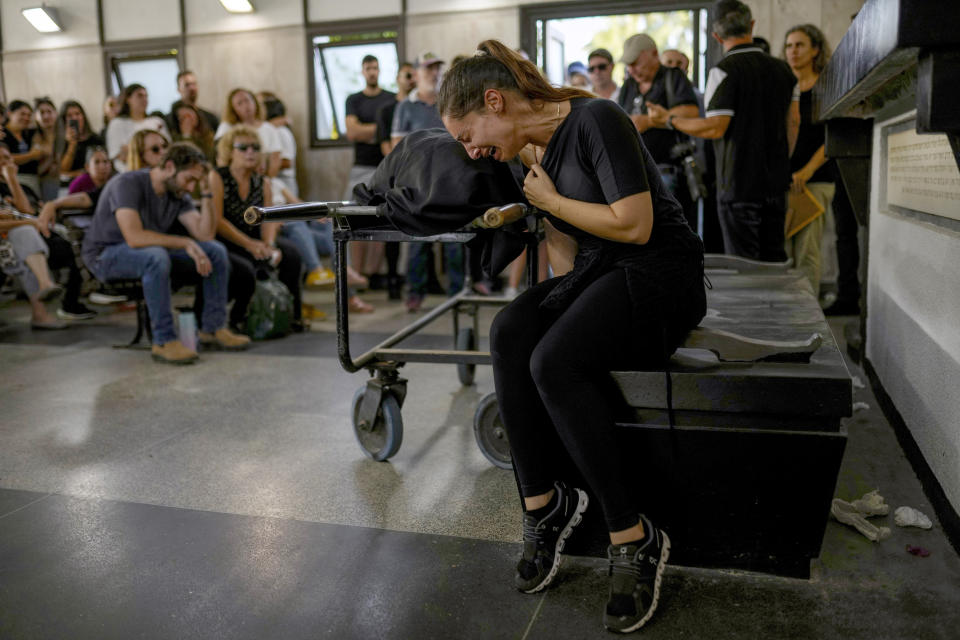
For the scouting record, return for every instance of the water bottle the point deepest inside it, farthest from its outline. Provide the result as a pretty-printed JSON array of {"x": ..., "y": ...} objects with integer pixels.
[{"x": 187, "y": 325}]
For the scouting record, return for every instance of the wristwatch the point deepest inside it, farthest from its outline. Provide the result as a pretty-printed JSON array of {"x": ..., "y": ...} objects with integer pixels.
[{"x": 670, "y": 121}]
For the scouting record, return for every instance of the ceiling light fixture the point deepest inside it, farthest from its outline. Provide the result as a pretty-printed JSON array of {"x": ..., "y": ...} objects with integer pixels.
[
  {"x": 43, "y": 18},
  {"x": 237, "y": 6}
]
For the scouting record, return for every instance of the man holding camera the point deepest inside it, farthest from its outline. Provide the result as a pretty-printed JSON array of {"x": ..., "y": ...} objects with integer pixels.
[
  {"x": 649, "y": 82},
  {"x": 753, "y": 117}
]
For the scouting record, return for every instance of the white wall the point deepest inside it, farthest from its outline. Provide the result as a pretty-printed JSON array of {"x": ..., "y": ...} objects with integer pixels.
[
  {"x": 913, "y": 342},
  {"x": 327, "y": 11},
  {"x": 125, "y": 20},
  {"x": 78, "y": 17},
  {"x": 209, "y": 16}
]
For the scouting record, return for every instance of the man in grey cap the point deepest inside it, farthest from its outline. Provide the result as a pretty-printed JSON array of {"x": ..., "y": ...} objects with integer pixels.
[{"x": 649, "y": 82}]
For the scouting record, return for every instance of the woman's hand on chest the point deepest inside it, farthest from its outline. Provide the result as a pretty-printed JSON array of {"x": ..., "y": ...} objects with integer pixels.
[{"x": 540, "y": 190}]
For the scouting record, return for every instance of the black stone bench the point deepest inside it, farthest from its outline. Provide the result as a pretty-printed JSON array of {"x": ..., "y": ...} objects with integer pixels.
[{"x": 745, "y": 476}]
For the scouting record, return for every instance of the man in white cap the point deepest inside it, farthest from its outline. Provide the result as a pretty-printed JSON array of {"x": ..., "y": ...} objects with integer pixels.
[{"x": 649, "y": 82}]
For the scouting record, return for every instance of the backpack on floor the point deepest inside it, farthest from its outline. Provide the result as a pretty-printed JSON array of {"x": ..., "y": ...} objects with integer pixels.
[{"x": 271, "y": 310}]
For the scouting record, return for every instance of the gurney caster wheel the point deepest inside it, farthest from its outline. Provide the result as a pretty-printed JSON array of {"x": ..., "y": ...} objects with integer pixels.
[
  {"x": 381, "y": 439},
  {"x": 466, "y": 341},
  {"x": 490, "y": 433}
]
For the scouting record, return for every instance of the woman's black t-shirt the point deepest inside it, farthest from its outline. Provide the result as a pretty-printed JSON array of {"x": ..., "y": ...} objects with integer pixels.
[
  {"x": 80, "y": 155},
  {"x": 22, "y": 146},
  {"x": 811, "y": 137},
  {"x": 596, "y": 155}
]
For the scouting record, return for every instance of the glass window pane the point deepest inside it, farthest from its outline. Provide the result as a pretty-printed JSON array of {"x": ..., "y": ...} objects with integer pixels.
[
  {"x": 343, "y": 77},
  {"x": 324, "y": 115},
  {"x": 158, "y": 76}
]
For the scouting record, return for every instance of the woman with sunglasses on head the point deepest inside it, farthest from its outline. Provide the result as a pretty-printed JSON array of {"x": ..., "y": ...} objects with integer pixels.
[
  {"x": 145, "y": 149},
  {"x": 235, "y": 186},
  {"x": 77, "y": 139},
  {"x": 629, "y": 288},
  {"x": 132, "y": 117}
]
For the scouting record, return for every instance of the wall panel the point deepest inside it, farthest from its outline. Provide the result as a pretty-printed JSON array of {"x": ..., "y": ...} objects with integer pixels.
[
  {"x": 209, "y": 16},
  {"x": 78, "y": 17},
  {"x": 75, "y": 73},
  {"x": 126, "y": 20},
  {"x": 326, "y": 11},
  {"x": 449, "y": 34}
]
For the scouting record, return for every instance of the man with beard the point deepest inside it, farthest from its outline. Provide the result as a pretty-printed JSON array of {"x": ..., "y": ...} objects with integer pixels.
[
  {"x": 129, "y": 238},
  {"x": 361, "y": 121}
]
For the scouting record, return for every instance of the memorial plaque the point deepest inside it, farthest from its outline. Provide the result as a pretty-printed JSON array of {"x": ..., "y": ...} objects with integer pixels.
[{"x": 922, "y": 173}]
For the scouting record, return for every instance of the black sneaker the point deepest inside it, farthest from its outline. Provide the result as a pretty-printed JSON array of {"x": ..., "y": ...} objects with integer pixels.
[
  {"x": 635, "y": 573},
  {"x": 543, "y": 540},
  {"x": 79, "y": 312}
]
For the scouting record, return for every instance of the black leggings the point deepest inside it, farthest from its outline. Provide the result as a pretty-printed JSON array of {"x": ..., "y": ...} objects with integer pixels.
[
  {"x": 62, "y": 256},
  {"x": 556, "y": 396}
]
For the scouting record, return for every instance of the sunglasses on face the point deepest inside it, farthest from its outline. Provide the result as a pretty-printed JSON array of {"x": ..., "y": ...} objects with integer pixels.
[
  {"x": 598, "y": 67},
  {"x": 408, "y": 76},
  {"x": 246, "y": 146},
  {"x": 157, "y": 148}
]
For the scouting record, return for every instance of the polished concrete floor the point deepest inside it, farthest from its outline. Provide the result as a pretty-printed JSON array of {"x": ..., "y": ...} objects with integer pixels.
[{"x": 229, "y": 499}]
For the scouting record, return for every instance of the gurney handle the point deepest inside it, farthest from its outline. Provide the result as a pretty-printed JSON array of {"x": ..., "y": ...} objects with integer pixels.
[
  {"x": 304, "y": 211},
  {"x": 495, "y": 217}
]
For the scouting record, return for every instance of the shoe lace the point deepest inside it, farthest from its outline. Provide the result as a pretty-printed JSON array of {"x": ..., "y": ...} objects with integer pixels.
[
  {"x": 533, "y": 531},
  {"x": 627, "y": 565}
]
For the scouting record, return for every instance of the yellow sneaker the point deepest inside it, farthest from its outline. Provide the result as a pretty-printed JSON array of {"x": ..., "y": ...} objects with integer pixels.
[
  {"x": 173, "y": 352},
  {"x": 224, "y": 339},
  {"x": 310, "y": 312},
  {"x": 320, "y": 278}
]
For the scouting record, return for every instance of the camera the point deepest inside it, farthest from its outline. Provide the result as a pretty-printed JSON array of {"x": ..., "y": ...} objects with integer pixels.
[
  {"x": 686, "y": 152},
  {"x": 73, "y": 124}
]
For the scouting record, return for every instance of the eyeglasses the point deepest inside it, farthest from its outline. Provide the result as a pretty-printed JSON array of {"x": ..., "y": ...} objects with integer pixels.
[
  {"x": 598, "y": 67},
  {"x": 157, "y": 148},
  {"x": 246, "y": 146}
]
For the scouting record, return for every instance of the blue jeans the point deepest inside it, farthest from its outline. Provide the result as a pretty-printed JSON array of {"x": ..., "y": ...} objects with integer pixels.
[
  {"x": 313, "y": 240},
  {"x": 154, "y": 266},
  {"x": 417, "y": 264}
]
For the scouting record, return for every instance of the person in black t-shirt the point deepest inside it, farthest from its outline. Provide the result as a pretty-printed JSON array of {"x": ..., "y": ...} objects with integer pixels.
[
  {"x": 629, "y": 288},
  {"x": 650, "y": 82},
  {"x": 361, "y": 123},
  {"x": 806, "y": 52},
  {"x": 753, "y": 117}
]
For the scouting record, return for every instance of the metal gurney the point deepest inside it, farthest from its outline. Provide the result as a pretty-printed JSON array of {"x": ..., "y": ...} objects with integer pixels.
[{"x": 376, "y": 408}]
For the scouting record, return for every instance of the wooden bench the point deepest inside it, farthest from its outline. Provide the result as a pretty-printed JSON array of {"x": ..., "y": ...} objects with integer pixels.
[{"x": 745, "y": 476}]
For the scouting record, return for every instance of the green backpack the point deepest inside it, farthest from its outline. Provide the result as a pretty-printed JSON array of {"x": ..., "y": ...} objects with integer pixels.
[{"x": 271, "y": 310}]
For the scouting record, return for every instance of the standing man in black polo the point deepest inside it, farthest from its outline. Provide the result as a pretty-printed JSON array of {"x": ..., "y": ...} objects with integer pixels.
[
  {"x": 649, "y": 82},
  {"x": 361, "y": 121},
  {"x": 753, "y": 117}
]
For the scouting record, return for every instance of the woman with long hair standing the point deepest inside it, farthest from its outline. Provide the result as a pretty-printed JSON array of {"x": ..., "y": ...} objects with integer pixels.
[
  {"x": 629, "y": 289},
  {"x": 132, "y": 117},
  {"x": 806, "y": 51}
]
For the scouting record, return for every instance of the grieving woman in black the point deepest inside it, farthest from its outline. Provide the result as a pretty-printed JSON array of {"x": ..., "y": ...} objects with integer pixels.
[{"x": 629, "y": 287}]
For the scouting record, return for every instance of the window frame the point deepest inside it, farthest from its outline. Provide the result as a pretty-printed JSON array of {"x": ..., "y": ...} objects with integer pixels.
[
  {"x": 345, "y": 27},
  {"x": 136, "y": 51},
  {"x": 531, "y": 14}
]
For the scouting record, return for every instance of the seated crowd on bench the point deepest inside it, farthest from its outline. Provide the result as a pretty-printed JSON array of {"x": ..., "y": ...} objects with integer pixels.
[{"x": 139, "y": 164}]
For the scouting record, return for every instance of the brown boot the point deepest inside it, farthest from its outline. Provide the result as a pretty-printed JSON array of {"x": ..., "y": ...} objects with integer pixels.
[
  {"x": 224, "y": 339},
  {"x": 173, "y": 352}
]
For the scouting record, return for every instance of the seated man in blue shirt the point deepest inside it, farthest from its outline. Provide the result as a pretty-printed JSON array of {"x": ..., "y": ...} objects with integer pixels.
[{"x": 129, "y": 237}]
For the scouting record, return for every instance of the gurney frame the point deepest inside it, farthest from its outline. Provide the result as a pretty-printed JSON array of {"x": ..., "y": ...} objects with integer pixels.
[{"x": 376, "y": 407}]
